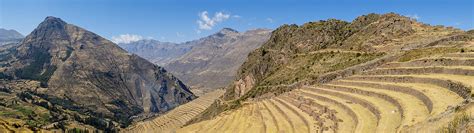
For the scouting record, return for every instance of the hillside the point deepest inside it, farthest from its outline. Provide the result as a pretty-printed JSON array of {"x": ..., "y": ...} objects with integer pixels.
[
  {"x": 377, "y": 73},
  {"x": 177, "y": 117},
  {"x": 303, "y": 53},
  {"x": 62, "y": 75},
  {"x": 213, "y": 61},
  {"x": 157, "y": 52},
  {"x": 428, "y": 93}
]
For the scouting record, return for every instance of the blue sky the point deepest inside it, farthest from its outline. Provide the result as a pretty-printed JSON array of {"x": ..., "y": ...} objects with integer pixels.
[{"x": 178, "y": 21}]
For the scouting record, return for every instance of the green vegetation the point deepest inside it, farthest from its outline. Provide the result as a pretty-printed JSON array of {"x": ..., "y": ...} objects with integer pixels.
[
  {"x": 68, "y": 53},
  {"x": 122, "y": 115},
  {"x": 308, "y": 66},
  {"x": 425, "y": 52},
  {"x": 4, "y": 76},
  {"x": 34, "y": 116},
  {"x": 77, "y": 130},
  {"x": 34, "y": 70},
  {"x": 456, "y": 125}
]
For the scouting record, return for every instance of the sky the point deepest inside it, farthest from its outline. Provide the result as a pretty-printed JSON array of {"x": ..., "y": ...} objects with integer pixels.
[{"x": 185, "y": 20}]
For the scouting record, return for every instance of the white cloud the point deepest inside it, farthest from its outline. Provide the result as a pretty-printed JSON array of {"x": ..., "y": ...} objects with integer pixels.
[
  {"x": 126, "y": 38},
  {"x": 413, "y": 16},
  {"x": 207, "y": 23},
  {"x": 270, "y": 20}
]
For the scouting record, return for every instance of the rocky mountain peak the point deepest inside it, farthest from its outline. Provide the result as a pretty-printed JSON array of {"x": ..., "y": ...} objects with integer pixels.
[
  {"x": 50, "y": 28},
  {"x": 52, "y": 19},
  {"x": 227, "y": 32},
  {"x": 52, "y": 23},
  {"x": 72, "y": 62}
]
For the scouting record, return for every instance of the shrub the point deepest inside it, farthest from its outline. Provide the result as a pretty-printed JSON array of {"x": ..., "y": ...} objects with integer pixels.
[{"x": 455, "y": 125}]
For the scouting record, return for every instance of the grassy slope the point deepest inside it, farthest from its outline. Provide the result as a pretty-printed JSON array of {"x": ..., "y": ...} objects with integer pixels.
[{"x": 295, "y": 54}]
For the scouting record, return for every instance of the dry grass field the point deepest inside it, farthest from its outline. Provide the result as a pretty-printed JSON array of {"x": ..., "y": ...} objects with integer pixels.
[{"x": 176, "y": 117}]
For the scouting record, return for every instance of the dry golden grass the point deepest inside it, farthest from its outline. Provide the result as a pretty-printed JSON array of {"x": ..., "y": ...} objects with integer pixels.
[
  {"x": 390, "y": 115},
  {"x": 447, "y": 122},
  {"x": 283, "y": 124},
  {"x": 271, "y": 123},
  {"x": 6, "y": 126},
  {"x": 468, "y": 57},
  {"x": 347, "y": 124},
  {"x": 178, "y": 116},
  {"x": 367, "y": 120},
  {"x": 445, "y": 67},
  {"x": 414, "y": 109},
  {"x": 305, "y": 117},
  {"x": 460, "y": 55},
  {"x": 440, "y": 97},
  {"x": 467, "y": 80},
  {"x": 299, "y": 125},
  {"x": 264, "y": 116}
]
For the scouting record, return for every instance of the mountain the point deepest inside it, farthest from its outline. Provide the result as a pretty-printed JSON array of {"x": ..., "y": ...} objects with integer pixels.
[
  {"x": 155, "y": 51},
  {"x": 303, "y": 53},
  {"x": 319, "y": 52},
  {"x": 9, "y": 36},
  {"x": 213, "y": 60},
  {"x": 70, "y": 69}
]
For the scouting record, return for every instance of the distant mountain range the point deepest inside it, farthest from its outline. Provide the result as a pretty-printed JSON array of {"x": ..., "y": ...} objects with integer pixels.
[
  {"x": 9, "y": 36},
  {"x": 160, "y": 53},
  {"x": 213, "y": 61},
  {"x": 204, "y": 64}
]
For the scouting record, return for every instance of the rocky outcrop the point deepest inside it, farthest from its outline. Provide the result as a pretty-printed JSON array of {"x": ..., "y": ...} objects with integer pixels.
[
  {"x": 242, "y": 85},
  {"x": 84, "y": 72}
]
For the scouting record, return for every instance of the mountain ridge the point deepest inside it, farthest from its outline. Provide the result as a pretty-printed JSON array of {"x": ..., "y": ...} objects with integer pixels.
[
  {"x": 85, "y": 73},
  {"x": 197, "y": 62},
  {"x": 213, "y": 60},
  {"x": 9, "y": 36},
  {"x": 156, "y": 51}
]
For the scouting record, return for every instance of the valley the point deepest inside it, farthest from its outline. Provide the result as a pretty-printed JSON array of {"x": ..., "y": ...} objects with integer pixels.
[{"x": 376, "y": 73}]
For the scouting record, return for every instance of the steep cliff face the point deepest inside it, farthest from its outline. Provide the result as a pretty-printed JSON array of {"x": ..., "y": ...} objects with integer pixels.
[
  {"x": 84, "y": 72},
  {"x": 298, "y": 53},
  {"x": 213, "y": 61},
  {"x": 157, "y": 52}
]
